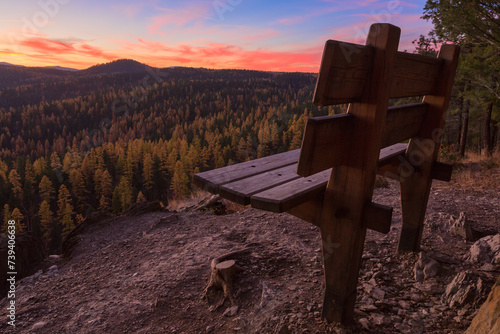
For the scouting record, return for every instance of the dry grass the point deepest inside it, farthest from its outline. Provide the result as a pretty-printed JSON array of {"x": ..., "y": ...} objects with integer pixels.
[
  {"x": 477, "y": 171},
  {"x": 471, "y": 157},
  {"x": 195, "y": 197}
]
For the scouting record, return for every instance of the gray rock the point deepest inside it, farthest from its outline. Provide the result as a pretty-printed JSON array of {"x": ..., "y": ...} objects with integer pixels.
[
  {"x": 379, "y": 319},
  {"x": 486, "y": 250},
  {"x": 426, "y": 267},
  {"x": 373, "y": 291},
  {"x": 231, "y": 311},
  {"x": 465, "y": 289},
  {"x": 365, "y": 323},
  {"x": 461, "y": 227},
  {"x": 54, "y": 257},
  {"x": 38, "y": 325},
  {"x": 267, "y": 294},
  {"x": 52, "y": 271}
]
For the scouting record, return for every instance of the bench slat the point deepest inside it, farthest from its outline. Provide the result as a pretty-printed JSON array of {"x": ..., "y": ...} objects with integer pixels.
[
  {"x": 211, "y": 180},
  {"x": 327, "y": 138},
  {"x": 240, "y": 191},
  {"x": 291, "y": 194},
  {"x": 286, "y": 196},
  {"x": 403, "y": 123},
  {"x": 346, "y": 68},
  {"x": 414, "y": 75}
]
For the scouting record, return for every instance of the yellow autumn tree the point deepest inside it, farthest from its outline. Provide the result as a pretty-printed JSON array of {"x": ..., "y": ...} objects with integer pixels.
[
  {"x": 46, "y": 218},
  {"x": 46, "y": 189}
]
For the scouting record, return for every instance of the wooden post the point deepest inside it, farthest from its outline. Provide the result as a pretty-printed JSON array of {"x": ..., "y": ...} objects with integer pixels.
[
  {"x": 422, "y": 153},
  {"x": 350, "y": 187}
]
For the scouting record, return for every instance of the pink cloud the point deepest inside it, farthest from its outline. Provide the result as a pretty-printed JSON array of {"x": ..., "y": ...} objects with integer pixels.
[
  {"x": 177, "y": 17},
  {"x": 130, "y": 10}
]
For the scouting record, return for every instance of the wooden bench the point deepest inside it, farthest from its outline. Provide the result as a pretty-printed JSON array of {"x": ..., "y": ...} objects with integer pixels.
[{"x": 329, "y": 182}]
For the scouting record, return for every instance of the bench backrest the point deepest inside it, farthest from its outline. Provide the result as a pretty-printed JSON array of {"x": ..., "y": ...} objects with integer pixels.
[{"x": 367, "y": 76}]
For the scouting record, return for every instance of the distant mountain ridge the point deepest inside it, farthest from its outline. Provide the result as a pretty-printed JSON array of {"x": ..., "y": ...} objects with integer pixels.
[{"x": 117, "y": 66}]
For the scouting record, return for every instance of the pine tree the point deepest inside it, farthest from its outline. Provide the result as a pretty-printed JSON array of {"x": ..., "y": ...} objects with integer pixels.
[
  {"x": 180, "y": 181},
  {"x": 29, "y": 172},
  {"x": 106, "y": 184},
  {"x": 6, "y": 217},
  {"x": 104, "y": 203},
  {"x": 125, "y": 193},
  {"x": 40, "y": 166},
  {"x": 140, "y": 198},
  {"x": 18, "y": 217},
  {"x": 116, "y": 202},
  {"x": 97, "y": 183},
  {"x": 63, "y": 199},
  {"x": 67, "y": 221},
  {"x": 3, "y": 170},
  {"x": 55, "y": 161},
  {"x": 46, "y": 218},
  {"x": 46, "y": 189},
  {"x": 15, "y": 182},
  {"x": 147, "y": 171},
  {"x": 79, "y": 189}
]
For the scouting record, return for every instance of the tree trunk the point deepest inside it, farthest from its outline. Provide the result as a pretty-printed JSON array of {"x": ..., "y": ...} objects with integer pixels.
[
  {"x": 465, "y": 127},
  {"x": 460, "y": 122},
  {"x": 494, "y": 136},
  {"x": 488, "y": 142}
]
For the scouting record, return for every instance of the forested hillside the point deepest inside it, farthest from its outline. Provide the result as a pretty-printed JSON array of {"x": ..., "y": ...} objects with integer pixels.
[{"x": 104, "y": 141}]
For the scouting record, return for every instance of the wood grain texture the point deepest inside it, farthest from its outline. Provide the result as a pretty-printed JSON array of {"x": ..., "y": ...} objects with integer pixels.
[
  {"x": 422, "y": 152},
  {"x": 211, "y": 180},
  {"x": 291, "y": 194},
  {"x": 345, "y": 73},
  {"x": 351, "y": 186},
  {"x": 414, "y": 75},
  {"x": 240, "y": 191},
  {"x": 327, "y": 139},
  {"x": 403, "y": 122},
  {"x": 325, "y": 143},
  {"x": 309, "y": 211},
  {"x": 377, "y": 217}
]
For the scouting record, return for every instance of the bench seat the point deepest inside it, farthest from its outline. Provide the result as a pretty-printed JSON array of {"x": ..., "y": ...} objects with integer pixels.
[{"x": 272, "y": 183}]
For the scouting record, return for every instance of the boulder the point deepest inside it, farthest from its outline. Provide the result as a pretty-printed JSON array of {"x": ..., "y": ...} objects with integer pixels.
[
  {"x": 487, "y": 320},
  {"x": 486, "y": 250},
  {"x": 467, "y": 288}
]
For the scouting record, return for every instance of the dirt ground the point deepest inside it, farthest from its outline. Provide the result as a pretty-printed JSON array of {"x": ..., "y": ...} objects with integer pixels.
[{"x": 147, "y": 273}]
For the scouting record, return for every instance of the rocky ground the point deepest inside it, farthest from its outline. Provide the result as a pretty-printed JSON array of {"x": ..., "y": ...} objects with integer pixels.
[{"x": 146, "y": 273}]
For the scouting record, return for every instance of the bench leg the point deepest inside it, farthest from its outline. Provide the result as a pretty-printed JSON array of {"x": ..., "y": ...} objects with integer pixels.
[
  {"x": 414, "y": 197},
  {"x": 342, "y": 252}
]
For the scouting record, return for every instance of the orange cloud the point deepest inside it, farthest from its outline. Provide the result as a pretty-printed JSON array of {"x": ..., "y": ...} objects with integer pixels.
[
  {"x": 218, "y": 55},
  {"x": 48, "y": 46}
]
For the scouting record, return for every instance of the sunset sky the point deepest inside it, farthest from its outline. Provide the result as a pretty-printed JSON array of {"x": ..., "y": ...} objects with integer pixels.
[{"x": 244, "y": 34}]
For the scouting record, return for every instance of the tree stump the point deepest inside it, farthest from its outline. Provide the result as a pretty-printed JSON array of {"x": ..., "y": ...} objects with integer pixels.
[{"x": 221, "y": 277}]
